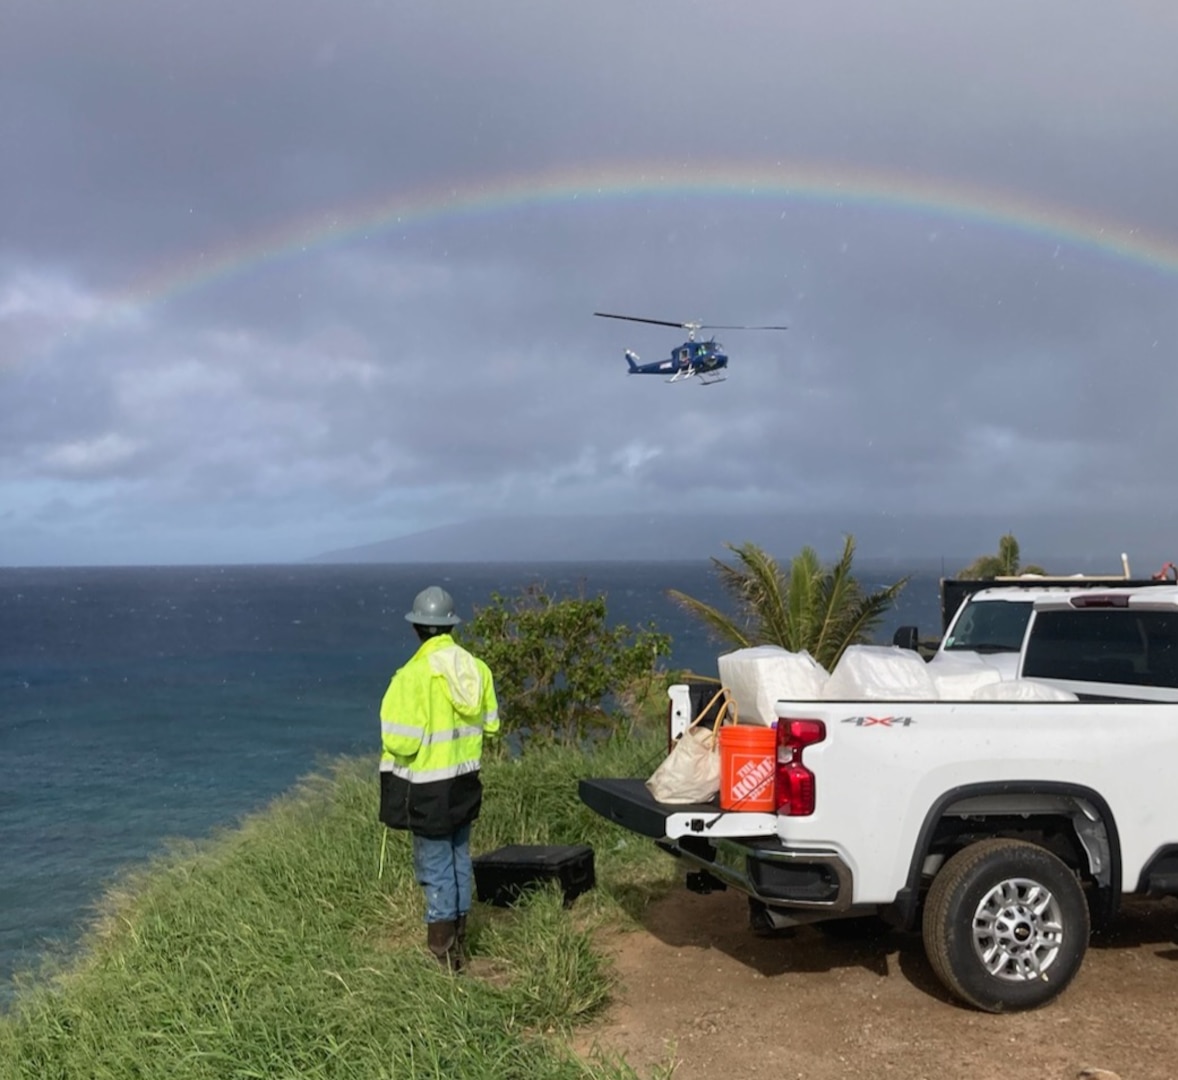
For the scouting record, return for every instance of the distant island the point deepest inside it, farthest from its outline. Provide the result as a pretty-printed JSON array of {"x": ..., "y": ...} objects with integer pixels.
[{"x": 1089, "y": 544}]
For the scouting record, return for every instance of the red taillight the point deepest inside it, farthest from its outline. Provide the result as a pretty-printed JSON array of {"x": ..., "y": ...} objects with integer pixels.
[{"x": 795, "y": 791}]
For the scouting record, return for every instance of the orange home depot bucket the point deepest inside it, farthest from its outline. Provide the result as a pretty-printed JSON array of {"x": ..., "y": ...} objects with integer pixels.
[{"x": 747, "y": 757}]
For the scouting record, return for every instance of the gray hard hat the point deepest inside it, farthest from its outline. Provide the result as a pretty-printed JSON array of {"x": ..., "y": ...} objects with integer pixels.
[{"x": 433, "y": 607}]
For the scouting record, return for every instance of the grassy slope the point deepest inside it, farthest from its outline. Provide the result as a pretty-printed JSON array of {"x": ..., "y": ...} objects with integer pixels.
[{"x": 292, "y": 947}]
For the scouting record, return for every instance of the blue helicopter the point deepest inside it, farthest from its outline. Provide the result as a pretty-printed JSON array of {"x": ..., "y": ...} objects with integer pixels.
[{"x": 703, "y": 360}]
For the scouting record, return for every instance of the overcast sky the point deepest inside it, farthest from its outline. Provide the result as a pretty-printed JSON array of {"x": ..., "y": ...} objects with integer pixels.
[{"x": 279, "y": 277}]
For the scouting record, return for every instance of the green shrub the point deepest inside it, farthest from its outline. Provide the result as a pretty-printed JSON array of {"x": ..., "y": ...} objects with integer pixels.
[{"x": 560, "y": 671}]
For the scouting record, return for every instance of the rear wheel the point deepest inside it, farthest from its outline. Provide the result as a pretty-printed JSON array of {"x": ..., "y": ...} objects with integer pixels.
[{"x": 1005, "y": 925}]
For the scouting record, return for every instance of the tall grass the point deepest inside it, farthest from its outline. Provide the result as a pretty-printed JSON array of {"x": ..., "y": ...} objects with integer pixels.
[{"x": 292, "y": 947}]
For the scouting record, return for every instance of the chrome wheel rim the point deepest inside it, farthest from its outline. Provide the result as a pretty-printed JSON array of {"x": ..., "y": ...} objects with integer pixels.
[{"x": 1018, "y": 930}]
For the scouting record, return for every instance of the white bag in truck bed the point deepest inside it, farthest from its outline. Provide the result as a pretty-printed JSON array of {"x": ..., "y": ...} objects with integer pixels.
[
  {"x": 761, "y": 676},
  {"x": 880, "y": 671},
  {"x": 1022, "y": 690},
  {"x": 959, "y": 680}
]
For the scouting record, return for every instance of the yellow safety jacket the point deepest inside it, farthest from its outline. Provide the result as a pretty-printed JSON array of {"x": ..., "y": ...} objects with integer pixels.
[{"x": 433, "y": 718}]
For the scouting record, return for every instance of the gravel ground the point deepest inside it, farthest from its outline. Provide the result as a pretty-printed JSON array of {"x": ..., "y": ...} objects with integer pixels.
[{"x": 697, "y": 991}]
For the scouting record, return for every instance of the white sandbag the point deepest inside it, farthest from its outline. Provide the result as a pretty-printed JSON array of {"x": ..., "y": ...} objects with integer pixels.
[
  {"x": 759, "y": 677},
  {"x": 879, "y": 671},
  {"x": 1022, "y": 690},
  {"x": 957, "y": 680}
]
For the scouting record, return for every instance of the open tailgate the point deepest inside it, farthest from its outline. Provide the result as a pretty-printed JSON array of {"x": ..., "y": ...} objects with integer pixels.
[{"x": 629, "y": 803}]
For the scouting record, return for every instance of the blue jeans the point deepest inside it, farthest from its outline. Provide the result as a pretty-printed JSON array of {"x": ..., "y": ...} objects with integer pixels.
[{"x": 444, "y": 871}]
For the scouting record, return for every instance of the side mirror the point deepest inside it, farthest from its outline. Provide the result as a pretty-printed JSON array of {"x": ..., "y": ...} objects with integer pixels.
[{"x": 906, "y": 637}]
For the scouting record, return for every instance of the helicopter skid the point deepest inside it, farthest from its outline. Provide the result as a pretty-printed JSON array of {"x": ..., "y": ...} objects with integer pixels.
[{"x": 705, "y": 378}]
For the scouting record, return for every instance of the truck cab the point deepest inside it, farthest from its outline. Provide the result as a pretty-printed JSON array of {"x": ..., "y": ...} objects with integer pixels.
[
  {"x": 1119, "y": 643},
  {"x": 989, "y": 628}
]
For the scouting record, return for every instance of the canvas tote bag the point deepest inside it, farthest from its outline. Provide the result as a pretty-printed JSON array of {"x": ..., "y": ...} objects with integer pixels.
[{"x": 690, "y": 773}]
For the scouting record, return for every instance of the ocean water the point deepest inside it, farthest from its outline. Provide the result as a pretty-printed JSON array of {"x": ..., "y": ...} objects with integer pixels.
[{"x": 139, "y": 705}]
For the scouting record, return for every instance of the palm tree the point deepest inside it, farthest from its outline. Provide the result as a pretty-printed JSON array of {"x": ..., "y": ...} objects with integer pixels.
[
  {"x": 1005, "y": 564},
  {"x": 813, "y": 608}
]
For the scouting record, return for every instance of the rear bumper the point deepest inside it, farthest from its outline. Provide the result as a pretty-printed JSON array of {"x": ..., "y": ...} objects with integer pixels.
[{"x": 710, "y": 839}]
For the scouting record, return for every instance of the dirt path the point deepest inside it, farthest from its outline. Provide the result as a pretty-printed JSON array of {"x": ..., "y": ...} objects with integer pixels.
[{"x": 698, "y": 989}]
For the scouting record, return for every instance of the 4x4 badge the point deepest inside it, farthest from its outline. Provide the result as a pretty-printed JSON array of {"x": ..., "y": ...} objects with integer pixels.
[{"x": 879, "y": 721}]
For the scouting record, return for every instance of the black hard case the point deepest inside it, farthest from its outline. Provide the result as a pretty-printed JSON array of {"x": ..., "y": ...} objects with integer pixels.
[{"x": 501, "y": 876}]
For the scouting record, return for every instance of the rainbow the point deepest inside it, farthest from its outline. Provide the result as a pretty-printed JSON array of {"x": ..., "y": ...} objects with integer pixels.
[{"x": 781, "y": 183}]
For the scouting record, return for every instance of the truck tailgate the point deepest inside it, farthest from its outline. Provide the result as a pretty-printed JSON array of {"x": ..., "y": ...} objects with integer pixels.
[{"x": 629, "y": 803}]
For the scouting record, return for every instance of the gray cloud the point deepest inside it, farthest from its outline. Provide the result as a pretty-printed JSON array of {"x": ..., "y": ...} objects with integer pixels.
[{"x": 217, "y": 344}]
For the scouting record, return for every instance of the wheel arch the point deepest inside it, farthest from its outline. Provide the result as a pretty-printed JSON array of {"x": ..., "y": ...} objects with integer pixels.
[
  {"x": 1090, "y": 819},
  {"x": 1159, "y": 875}
]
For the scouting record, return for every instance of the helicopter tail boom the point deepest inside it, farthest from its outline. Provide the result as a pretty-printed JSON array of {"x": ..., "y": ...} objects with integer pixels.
[{"x": 632, "y": 360}]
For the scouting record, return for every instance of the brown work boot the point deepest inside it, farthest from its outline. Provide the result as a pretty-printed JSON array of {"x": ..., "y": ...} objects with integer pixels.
[
  {"x": 442, "y": 940},
  {"x": 460, "y": 943}
]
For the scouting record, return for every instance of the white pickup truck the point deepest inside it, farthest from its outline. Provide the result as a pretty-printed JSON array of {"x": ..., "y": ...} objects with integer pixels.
[{"x": 1002, "y": 829}]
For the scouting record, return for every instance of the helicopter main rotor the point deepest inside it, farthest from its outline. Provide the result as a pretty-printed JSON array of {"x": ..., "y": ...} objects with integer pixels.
[{"x": 690, "y": 327}]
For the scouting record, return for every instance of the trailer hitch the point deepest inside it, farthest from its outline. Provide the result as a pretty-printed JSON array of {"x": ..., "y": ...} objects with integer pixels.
[{"x": 700, "y": 881}]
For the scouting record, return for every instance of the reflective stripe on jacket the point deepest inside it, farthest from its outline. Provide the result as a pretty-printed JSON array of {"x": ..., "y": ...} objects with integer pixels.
[{"x": 433, "y": 718}]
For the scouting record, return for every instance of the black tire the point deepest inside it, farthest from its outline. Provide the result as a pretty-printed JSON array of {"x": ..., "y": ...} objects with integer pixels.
[{"x": 1005, "y": 925}]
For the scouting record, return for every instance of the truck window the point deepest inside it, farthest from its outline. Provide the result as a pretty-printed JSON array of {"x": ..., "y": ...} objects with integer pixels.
[
  {"x": 990, "y": 626},
  {"x": 1107, "y": 646}
]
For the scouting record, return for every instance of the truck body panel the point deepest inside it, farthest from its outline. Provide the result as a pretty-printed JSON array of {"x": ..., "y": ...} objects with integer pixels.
[{"x": 884, "y": 768}]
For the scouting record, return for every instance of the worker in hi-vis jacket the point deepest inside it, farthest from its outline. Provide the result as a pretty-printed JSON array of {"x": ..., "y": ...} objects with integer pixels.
[{"x": 433, "y": 718}]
